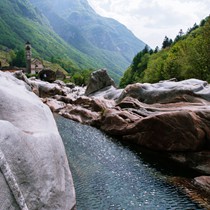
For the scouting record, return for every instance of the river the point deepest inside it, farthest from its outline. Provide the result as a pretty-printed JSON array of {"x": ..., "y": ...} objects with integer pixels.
[{"x": 109, "y": 175}]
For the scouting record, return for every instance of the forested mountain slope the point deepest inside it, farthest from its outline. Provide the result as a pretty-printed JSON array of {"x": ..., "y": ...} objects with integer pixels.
[{"x": 188, "y": 56}]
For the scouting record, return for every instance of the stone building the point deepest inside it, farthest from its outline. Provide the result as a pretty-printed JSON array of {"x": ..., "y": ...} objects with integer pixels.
[
  {"x": 28, "y": 57},
  {"x": 36, "y": 66}
]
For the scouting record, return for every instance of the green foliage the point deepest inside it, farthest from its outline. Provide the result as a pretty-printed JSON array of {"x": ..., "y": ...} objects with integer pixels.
[
  {"x": 127, "y": 78},
  {"x": 20, "y": 21},
  {"x": 81, "y": 77},
  {"x": 70, "y": 30},
  {"x": 155, "y": 69},
  {"x": 166, "y": 42},
  {"x": 18, "y": 59},
  {"x": 187, "y": 57},
  {"x": 32, "y": 75},
  {"x": 136, "y": 70}
]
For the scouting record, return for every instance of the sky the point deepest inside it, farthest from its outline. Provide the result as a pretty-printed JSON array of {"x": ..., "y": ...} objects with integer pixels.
[{"x": 152, "y": 20}]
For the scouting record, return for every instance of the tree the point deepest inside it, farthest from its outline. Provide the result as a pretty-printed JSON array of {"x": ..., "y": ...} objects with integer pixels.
[
  {"x": 19, "y": 59},
  {"x": 136, "y": 61},
  {"x": 195, "y": 26},
  {"x": 138, "y": 58},
  {"x": 166, "y": 42},
  {"x": 179, "y": 36},
  {"x": 145, "y": 50},
  {"x": 156, "y": 49},
  {"x": 181, "y": 33},
  {"x": 127, "y": 78},
  {"x": 206, "y": 47}
]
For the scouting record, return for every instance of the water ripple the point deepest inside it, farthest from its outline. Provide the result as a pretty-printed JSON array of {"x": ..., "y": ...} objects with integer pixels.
[{"x": 110, "y": 176}]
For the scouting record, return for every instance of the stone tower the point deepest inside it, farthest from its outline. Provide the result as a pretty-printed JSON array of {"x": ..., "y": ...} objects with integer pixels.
[{"x": 28, "y": 57}]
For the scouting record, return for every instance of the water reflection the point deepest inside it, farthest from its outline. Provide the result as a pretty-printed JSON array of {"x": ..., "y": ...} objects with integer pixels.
[{"x": 110, "y": 175}]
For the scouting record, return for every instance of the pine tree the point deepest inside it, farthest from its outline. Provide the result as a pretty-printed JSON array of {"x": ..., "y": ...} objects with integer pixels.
[{"x": 166, "y": 42}]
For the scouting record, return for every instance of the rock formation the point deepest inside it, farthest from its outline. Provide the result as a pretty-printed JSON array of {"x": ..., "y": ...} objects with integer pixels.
[
  {"x": 99, "y": 80},
  {"x": 34, "y": 172},
  {"x": 203, "y": 182},
  {"x": 168, "y": 116},
  {"x": 47, "y": 75}
]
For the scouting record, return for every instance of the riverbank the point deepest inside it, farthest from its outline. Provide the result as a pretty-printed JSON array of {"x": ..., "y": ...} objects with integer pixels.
[{"x": 169, "y": 116}]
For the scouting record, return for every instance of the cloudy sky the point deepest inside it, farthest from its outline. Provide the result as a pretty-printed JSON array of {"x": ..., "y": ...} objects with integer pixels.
[{"x": 152, "y": 20}]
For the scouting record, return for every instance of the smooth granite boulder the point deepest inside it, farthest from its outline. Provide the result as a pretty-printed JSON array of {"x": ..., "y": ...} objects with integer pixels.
[
  {"x": 168, "y": 91},
  {"x": 34, "y": 171}
]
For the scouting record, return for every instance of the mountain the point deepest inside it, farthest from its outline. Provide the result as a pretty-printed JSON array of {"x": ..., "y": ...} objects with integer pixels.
[
  {"x": 104, "y": 39},
  {"x": 70, "y": 29},
  {"x": 20, "y": 21}
]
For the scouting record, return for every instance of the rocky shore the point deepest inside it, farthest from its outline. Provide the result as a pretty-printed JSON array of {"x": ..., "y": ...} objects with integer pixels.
[{"x": 169, "y": 116}]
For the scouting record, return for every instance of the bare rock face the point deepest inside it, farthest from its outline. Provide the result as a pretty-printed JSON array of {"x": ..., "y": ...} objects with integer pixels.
[
  {"x": 85, "y": 110},
  {"x": 168, "y": 91},
  {"x": 45, "y": 89},
  {"x": 173, "y": 116},
  {"x": 157, "y": 126},
  {"x": 34, "y": 172},
  {"x": 166, "y": 116},
  {"x": 199, "y": 161},
  {"x": 203, "y": 182},
  {"x": 41, "y": 88},
  {"x": 99, "y": 80}
]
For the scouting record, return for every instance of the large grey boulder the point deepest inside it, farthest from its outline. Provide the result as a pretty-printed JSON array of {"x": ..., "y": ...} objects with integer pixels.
[
  {"x": 99, "y": 80},
  {"x": 34, "y": 171}
]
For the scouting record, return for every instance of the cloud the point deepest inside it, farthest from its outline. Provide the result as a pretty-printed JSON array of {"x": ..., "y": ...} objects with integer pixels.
[{"x": 151, "y": 20}]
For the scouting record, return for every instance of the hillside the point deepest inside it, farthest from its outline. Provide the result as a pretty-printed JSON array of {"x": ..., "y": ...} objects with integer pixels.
[
  {"x": 188, "y": 56},
  {"x": 68, "y": 30},
  {"x": 20, "y": 21},
  {"x": 105, "y": 40}
]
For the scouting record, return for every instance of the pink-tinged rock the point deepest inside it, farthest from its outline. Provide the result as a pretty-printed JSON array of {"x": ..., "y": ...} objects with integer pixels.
[
  {"x": 117, "y": 122},
  {"x": 54, "y": 105},
  {"x": 80, "y": 114},
  {"x": 203, "y": 182},
  {"x": 176, "y": 131},
  {"x": 157, "y": 127},
  {"x": 85, "y": 110}
]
